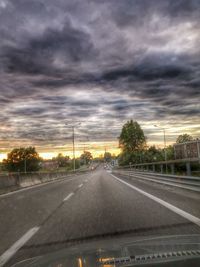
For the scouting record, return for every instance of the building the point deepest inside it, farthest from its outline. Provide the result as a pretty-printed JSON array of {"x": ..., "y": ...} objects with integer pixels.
[
  {"x": 50, "y": 164},
  {"x": 187, "y": 150}
]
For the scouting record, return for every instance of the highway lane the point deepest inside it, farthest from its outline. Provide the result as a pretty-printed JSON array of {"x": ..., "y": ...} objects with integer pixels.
[
  {"x": 184, "y": 199},
  {"x": 22, "y": 210},
  {"x": 80, "y": 210}
]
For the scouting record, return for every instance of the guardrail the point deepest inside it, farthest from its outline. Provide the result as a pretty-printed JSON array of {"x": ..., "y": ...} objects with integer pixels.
[
  {"x": 186, "y": 182},
  {"x": 164, "y": 165}
]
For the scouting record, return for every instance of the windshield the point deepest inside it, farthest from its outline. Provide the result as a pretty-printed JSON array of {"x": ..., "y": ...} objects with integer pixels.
[{"x": 99, "y": 125}]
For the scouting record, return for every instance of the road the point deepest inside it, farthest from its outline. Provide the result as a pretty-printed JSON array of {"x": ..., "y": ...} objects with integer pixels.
[{"x": 93, "y": 205}]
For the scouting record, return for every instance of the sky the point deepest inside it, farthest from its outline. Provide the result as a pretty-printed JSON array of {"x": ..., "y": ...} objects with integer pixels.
[{"x": 95, "y": 65}]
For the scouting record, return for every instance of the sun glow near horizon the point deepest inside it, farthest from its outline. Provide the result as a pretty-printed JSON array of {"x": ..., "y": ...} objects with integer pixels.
[{"x": 97, "y": 149}]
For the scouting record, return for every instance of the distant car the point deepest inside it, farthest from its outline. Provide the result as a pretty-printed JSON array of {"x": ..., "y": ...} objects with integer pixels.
[{"x": 106, "y": 167}]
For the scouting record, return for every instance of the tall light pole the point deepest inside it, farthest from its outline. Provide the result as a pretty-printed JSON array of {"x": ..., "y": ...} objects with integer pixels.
[
  {"x": 25, "y": 164},
  {"x": 165, "y": 152},
  {"x": 84, "y": 150},
  {"x": 73, "y": 144}
]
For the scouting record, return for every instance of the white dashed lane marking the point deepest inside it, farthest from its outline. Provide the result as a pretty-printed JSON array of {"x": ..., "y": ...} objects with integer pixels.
[
  {"x": 17, "y": 245},
  {"x": 5, "y": 257},
  {"x": 68, "y": 197}
]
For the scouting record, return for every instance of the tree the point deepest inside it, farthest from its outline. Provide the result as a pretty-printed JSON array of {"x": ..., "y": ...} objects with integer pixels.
[
  {"x": 125, "y": 158},
  {"x": 184, "y": 138},
  {"x": 170, "y": 152},
  {"x": 86, "y": 157},
  {"x": 22, "y": 159},
  {"x": 153, "y": 154},
  {"x": 63, "y": 161},
  {"x": 77, "y": 164},
  {"x": 132, "y": 137},
  {"x": 107, "y": 156}
]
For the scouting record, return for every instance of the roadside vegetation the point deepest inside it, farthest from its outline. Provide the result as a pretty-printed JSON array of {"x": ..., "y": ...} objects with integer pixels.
[
  {"x": 135, "y": 149},
  {"x": 27, "y": 159},
  {"x": 22, "y": 160}
]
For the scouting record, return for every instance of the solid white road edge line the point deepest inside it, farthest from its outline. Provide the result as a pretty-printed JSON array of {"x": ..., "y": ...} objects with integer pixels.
[
  {"x": 169, "y": 206},
  {"x": 17, "y": 245},
  {"x": 68, "y": 197},
  {"x": 35, "y": 186}
]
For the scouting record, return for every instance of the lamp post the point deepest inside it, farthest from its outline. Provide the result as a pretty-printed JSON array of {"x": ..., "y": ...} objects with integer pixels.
[
  {"x": 165, "y": 152},
  {"x": 84, "y": 150},
  {"x": 25, "y": 164},
  {"x": 73, "y": 144}
]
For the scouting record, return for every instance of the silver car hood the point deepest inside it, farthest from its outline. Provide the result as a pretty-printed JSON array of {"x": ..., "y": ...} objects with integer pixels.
[{"x": 120, "y": 252}]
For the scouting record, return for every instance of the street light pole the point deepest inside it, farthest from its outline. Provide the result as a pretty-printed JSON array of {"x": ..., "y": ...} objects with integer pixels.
[
  {"x": 25, "y": 164},
  {"x": 165, "y": 145},
  {"x": 73, "y": 144},
  {"x": 73, "y": 141},
  {"x": 165, "y": 152}
]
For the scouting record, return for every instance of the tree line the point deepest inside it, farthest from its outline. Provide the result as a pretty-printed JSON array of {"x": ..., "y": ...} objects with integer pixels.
[
  {"x": 132, "y": 141},
  {"x": 27, "y": 159},
  {"x": 134, "y": 148}
]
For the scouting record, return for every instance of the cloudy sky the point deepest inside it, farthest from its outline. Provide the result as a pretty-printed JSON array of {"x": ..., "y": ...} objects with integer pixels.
[{"x": 98, "y": 63}]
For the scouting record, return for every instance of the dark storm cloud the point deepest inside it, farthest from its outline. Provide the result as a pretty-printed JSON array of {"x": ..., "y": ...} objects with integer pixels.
[
  {"x": 39, "y": 55},
  {"x": 149, "y": 71},
  {"x": 184, "y": 8},
  {"x": 28, "y": 111},
  {"x": 4, "y": 101},
  {"x": 195, "y": 84},
  {"x": 188, "y": 112},
  {"x": 104, "y": 61},
  {"x": 137, "y": 13},
  {"x": 72, "y": 79}
]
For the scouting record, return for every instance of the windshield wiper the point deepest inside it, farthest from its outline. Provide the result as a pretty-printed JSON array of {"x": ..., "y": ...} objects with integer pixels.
[{"x": 153, "y": 258}]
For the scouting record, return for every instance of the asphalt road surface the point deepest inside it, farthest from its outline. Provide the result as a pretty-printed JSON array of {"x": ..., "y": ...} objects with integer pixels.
[{"x": 88, "y": 207}]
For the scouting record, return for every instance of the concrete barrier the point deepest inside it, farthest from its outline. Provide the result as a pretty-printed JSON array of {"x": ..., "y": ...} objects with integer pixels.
[
  {"x": 8, "y": 181},
  {"x": 16, "y": 181},
  {"x": 38, "y": 178},
  {"x": 29, "y": 180}
]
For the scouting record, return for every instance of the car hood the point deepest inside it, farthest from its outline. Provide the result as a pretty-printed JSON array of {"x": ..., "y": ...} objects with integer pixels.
[{"x": 120, "y": 251}]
